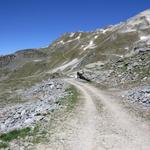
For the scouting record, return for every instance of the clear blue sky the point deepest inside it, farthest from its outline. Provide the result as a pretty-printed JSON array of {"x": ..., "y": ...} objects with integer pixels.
[{"x": 36, "y": 23}]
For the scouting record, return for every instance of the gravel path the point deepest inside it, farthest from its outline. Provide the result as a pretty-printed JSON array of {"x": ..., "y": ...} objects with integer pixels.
[{"x": 99, "y": 122}]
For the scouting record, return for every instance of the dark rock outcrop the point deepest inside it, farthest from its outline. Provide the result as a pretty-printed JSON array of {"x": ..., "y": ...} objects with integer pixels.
[{"x": 81, "y": 76}]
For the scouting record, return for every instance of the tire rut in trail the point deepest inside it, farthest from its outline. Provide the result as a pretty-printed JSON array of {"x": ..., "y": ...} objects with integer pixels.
[
  {"x": 86, "y": 125},
  {"x": 79, "y": 131},
  {"x": 117, "y": 128},
  {"x": 98, "y": 123}
]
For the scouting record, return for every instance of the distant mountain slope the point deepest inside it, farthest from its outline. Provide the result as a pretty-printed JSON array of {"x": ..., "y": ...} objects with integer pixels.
[{"x": 126, "y": 41}]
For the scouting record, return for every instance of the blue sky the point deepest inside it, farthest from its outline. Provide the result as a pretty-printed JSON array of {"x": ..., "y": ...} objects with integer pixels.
[{"x": 36, "y": 23}]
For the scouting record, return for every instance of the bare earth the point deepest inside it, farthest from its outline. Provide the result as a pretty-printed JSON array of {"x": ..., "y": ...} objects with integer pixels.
[{"x": 99, "y": 122}]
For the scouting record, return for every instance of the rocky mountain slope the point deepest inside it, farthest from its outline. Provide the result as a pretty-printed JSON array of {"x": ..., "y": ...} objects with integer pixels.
[
  {"x": 81, "y": 48},
  {"x": 117, "y": 56}
]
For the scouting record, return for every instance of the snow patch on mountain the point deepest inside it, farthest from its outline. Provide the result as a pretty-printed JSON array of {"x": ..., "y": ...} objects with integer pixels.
[
  {"x": 62, "y": 42},
  {"x": 37, "y": 60},
  {"x": 143, "y": 38},
  {"x": 103, "y": 30},
  {"x": 126, "y": 48},
  {"x": 79, "y": 36},
  {"x": 127, "y": 30},
  {"x": 96, "y": 37},
  {"x": 72, "y": 63},
  {"x": 68, "y": 41},
  {"x": 91, "y": 45},
  {"x": 72, "y": 34}
]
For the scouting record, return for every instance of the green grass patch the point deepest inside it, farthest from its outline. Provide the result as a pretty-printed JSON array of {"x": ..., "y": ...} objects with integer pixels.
[
  {"x": 15, "y": 134},
  {"x": 70, "y": 100},
  {"x": 73, "y": 93},
  {"x": 3, "y": 145}
]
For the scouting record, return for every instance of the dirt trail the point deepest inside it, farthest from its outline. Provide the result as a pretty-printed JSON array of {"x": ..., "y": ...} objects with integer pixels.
[{"x": 99, "y": 122}]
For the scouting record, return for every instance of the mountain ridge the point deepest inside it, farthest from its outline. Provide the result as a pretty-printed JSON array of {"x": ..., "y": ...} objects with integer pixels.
[
  {"x": 143, "y": 13},
  {"x": 73, "y": 51}
]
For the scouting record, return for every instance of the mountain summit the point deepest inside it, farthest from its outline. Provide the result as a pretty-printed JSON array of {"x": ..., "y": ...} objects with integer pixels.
[{"x": 74, "y": 51}]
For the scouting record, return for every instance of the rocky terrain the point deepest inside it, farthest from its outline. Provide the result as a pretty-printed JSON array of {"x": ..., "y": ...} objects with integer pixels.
[
  {"x": 139, "y": 95},
  {"x": 46, "y": 96}
]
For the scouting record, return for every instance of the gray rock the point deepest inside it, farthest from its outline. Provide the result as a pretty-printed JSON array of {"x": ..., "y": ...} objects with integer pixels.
[
  {"x": 139, "y": 95},
  {"x": 27, "y": 114}
]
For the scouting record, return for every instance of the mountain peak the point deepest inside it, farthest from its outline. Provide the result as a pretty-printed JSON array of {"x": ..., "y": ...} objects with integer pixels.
[
  {"x": 146, "y": 12},
  {"x": 145, "y": 15}
]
